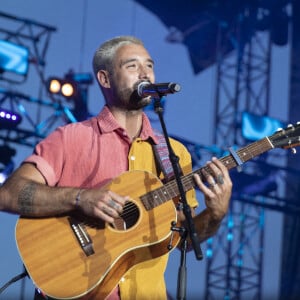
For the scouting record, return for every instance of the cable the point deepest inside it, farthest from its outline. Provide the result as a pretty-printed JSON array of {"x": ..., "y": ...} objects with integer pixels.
[
  {"x": 83, "y": 34},
  {"x": 13, "y": 280}
]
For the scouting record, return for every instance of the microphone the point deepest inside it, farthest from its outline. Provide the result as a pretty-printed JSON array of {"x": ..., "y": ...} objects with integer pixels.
[{"x": 157, "y": 90}]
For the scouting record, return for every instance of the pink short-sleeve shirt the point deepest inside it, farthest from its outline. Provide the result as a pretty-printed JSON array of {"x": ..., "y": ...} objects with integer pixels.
[{"x": 86, "y": 154}]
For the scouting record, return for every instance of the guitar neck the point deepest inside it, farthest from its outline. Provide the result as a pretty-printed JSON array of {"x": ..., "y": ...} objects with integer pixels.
[{"x": 170, "y": 190}]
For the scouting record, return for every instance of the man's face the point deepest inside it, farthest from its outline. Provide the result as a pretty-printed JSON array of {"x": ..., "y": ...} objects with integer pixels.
[{"x": 132, "y": 65}]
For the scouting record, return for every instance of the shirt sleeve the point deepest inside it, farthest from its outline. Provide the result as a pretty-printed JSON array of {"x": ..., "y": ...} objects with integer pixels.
[{"x": 48, "y": 157}]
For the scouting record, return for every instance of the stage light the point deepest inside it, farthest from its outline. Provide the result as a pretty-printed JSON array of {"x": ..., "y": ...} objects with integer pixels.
[
  {"x": 14, "y": 60},
  {"x": 54, "y": 86},
  {"x": 65, "y": 87},
  {"x": 71, "y": 85},
  {"x": 9, "y": 119},
  {"x": 256, "y": 127}
]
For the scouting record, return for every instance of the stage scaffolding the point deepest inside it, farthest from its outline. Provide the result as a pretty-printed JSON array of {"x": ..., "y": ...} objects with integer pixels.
[
  {"x": 39, "y": 116},
  {"x": 235, "y": 255}
]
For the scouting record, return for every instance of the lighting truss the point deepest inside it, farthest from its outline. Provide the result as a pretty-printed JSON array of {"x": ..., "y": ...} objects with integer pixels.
[
  {"x": 32, "y": 129},
  {"x": 39, "y": 117},
  {"x": 30, "y": 34}
]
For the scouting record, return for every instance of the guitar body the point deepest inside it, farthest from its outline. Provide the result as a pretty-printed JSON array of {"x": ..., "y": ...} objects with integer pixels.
[{"x": 57, "y": 263}]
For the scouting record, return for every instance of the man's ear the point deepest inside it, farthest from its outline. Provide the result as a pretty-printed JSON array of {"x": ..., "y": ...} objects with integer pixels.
[{"x": 103, "y": 79}]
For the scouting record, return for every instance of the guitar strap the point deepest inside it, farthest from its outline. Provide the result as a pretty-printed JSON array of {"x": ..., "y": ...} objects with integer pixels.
[{"x": 161, "y": 154}]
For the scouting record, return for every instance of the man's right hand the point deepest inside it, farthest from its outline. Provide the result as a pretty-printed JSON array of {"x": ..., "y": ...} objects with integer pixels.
[{"x": 100, "y": 203}]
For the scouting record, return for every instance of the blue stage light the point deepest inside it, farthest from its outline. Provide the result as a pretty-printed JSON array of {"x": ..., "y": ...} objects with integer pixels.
[
  {"x": 9, "y": 119},
  {"x": 256, "y": 127},
  {"x": 13, "y": 58}
]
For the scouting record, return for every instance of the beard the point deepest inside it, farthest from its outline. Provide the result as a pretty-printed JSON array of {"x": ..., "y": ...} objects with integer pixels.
[{"x": 129, "y": 99}]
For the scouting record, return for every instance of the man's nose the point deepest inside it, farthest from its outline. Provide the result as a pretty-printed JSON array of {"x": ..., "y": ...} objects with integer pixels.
[{"x": 144, "y": 73}]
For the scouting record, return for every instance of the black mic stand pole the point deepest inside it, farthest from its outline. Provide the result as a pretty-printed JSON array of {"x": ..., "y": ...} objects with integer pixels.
[{"x": 189, "y": 230}]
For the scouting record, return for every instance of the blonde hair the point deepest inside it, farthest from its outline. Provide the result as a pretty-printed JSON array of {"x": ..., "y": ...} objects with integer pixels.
[{"x": 104, "y": 55}]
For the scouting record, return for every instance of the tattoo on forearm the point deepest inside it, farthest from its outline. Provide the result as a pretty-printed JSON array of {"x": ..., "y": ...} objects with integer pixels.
[
  {"x": 211, "y": 229},
  {"x": 208, "y": 228},
  {"x": 25, "y": 199}
]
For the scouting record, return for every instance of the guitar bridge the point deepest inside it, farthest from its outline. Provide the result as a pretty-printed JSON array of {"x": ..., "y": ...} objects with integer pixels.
[{"x": 82, "y": 236}]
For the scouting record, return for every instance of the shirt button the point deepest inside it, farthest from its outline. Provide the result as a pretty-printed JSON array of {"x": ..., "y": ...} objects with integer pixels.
[{"x": 132, "y": 157}]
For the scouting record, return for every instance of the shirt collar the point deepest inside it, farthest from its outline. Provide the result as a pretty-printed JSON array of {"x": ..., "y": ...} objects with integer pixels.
[{"x": 107, "y": 123}]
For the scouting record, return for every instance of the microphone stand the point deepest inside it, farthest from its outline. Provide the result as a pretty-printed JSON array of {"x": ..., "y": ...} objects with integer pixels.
[{"x": 189, "y": 230}]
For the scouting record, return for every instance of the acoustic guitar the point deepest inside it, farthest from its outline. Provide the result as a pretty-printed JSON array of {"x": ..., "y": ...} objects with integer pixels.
[{"x": 73, "y": 256}]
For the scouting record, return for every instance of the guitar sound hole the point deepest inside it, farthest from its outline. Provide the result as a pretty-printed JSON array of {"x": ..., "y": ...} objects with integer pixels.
[{"x": 128, "y": 217}]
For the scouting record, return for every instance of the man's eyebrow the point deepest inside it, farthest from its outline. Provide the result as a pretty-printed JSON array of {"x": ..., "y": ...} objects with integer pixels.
[
  {"x": 151, "y": 61},
  {"x": 124, "y": 62}
]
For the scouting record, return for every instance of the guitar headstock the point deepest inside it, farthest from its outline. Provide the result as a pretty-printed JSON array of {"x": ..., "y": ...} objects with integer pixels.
[{"x": 286, "y": 138}]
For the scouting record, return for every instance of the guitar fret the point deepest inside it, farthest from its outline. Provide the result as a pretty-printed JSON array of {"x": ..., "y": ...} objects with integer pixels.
[
  {"x": 173, "y": 188},
  {"x": 188, "y": 182},
  {"x": 257, "y": 148},
  {"x": 165, "y": 193},
  {"x": 154, "y": 198},
  {"x": 159, "y": 197},
  {"x": 229, "y": 162}
]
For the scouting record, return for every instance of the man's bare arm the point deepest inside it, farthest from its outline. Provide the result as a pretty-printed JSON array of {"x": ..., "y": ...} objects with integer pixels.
[{"x": 26, "y": 193}]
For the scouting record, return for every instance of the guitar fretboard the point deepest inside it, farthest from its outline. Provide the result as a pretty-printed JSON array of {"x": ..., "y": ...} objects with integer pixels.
[{"x": 170, "y": 190}]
